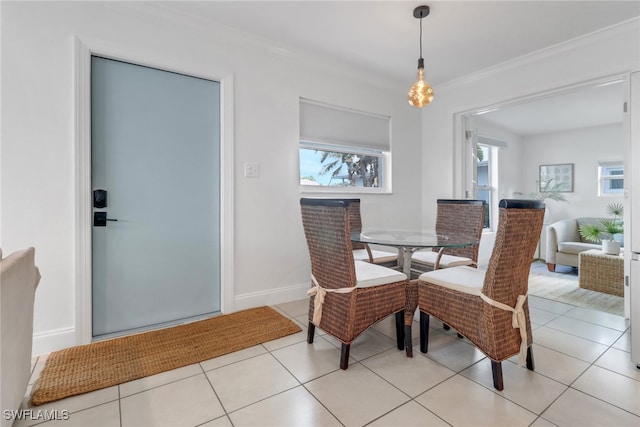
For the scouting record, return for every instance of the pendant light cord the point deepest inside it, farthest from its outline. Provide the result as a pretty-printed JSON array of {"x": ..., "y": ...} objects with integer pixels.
[{"x": 420, "y": 35}]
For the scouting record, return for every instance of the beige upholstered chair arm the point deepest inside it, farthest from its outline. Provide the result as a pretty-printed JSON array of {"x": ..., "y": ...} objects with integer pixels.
[
  {"x": 561, "y": 231},
  {"x": 551, "y": 245}
]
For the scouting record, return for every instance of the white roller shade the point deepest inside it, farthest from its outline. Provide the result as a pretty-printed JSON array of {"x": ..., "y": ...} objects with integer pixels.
[{"x": 330, "y": 124}]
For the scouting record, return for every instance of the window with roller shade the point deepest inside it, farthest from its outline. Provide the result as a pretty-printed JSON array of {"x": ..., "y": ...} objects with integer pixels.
[{"x": 342, "y": 149}]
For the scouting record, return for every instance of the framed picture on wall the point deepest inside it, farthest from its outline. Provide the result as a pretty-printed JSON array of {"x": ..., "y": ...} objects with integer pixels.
[{"x": 556, "y": 178}]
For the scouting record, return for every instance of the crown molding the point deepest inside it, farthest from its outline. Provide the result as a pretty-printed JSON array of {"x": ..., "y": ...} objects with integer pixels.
[
  {"x": 629, "y": 26},
  {"x": 230, "y": 36}
]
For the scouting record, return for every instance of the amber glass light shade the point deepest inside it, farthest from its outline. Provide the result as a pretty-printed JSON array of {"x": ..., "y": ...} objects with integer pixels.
[{"x": 421, "y": 92}]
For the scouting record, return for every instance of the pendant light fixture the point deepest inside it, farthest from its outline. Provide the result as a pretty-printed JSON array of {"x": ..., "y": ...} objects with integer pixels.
[{"x": 421, "y": 92}]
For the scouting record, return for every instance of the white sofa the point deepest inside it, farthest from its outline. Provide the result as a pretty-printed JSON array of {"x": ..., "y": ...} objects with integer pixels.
[
  {"x": 19, "y": 278},
  {"x": 564, "y": 242}
]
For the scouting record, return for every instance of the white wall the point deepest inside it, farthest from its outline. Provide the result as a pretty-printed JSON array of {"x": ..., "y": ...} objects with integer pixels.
[
  {"x": 519, "y": 169},
  {"x": 606, "y": 53},
  {"x": 271, "y": 258},
  {"x": 584, "y": 148}
]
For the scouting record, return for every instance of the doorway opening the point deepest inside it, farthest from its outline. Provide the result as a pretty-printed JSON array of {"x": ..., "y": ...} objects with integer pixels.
[{"x": 582, "y": 126}]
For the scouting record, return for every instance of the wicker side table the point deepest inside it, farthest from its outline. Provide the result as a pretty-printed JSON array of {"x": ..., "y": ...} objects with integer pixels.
[{"x": 601, "y": 272}]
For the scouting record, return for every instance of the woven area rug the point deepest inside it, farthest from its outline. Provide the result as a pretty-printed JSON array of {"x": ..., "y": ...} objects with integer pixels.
[
  {"x": 564, "y": 287},
  {"x": 90, "y": 367}
]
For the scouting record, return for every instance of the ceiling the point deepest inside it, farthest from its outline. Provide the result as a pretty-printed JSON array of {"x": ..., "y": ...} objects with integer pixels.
[
  {"x": 588, "y": 106},
  {"x": 382, "y": 37}
]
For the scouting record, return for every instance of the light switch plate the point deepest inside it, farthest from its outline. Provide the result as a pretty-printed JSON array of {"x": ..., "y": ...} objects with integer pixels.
[{"x": 251, "y": 170}]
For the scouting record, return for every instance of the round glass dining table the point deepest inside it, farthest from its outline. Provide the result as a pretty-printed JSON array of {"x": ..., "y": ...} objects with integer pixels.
[{"x": 409, "y": 241}]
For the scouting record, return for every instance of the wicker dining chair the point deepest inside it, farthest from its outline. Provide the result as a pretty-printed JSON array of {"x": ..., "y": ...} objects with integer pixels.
[
  {"x": 362, "y": 251},
  {"x": 489, "y": 307},
  {"x": 347, "y": 296},
  {"x": 454, "y": 216}
]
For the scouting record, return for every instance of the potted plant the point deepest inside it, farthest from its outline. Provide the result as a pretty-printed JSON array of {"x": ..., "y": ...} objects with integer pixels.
[
  {"x": 606, "y": 230},
  {"x": 549, "y": 190}
]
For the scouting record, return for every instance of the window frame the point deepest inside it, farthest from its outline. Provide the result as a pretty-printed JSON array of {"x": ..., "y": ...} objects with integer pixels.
[
  {"x": 348, "y": 142},
  {"x": 383, "y": 157},
  {"x": 603, "y": 179},
  {"x": 492, "y": 147}
]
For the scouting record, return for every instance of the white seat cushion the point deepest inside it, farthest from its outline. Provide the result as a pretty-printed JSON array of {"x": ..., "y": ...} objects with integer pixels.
[
  {"x": 368, "y": 275},
  {"x": 576, "y": 247},
  {"x": 447, "y": 261},
  {"x": 378, "y": 256},
  {"x": 462, "y": 279}
]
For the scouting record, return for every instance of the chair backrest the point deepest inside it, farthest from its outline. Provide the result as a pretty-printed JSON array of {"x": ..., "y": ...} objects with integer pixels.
[
  {"x": 461, "y": 216},
  {"x": 519, "y": 227},
  {"x": 327, "y": 229},
  {"x": 355, "y": 220}
]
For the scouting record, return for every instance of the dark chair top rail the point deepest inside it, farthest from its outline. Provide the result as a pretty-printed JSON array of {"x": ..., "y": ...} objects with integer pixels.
[
  {"x": 327, "y": 202},
  {"x": 461, "y": 201},
  {"x": 521, "y": 204}
]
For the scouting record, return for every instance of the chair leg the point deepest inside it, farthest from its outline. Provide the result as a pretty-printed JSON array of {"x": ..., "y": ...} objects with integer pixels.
[
  {"x": 551, "y": 267},
  {"x": 408, "y": 342},
  {"x": 530, "y": 363},
  {"x": 310, "y": 331},
  {"x": 447, "y": 327},
  {"x": 344, "y": 356},
  {"x": 496, "y": 369},
  {"x": 424, "y": 332},
  {"x": 400, "y": 329}
]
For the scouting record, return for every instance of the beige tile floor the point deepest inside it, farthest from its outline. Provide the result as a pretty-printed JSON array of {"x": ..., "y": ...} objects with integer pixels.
[{"x": 583, "y": 377}]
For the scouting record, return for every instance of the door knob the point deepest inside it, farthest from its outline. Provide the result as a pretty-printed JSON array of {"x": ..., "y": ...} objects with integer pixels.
[{"x": 100, "y": 219}]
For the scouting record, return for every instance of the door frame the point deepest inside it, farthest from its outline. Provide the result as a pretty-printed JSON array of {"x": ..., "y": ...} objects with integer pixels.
[
  {"x": 461, "y": 121},
  {"x": 461, "y": 179},
  {"x": 84, "y": 49}
]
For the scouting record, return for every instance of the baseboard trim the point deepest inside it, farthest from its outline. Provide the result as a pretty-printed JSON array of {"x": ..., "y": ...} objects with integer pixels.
[
  {"x": 47, "y": 342},
  {"x": 271, "y": 297}
]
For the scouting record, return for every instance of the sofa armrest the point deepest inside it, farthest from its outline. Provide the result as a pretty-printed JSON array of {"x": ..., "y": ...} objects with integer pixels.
[{"x": 565, "y": 230}]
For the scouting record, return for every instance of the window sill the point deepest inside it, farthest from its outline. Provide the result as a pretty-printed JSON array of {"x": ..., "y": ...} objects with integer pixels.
[{"x": 317, "y": 189}]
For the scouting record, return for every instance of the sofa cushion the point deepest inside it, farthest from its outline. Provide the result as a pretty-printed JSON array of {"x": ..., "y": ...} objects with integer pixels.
[{"x": 576, "y": 247}]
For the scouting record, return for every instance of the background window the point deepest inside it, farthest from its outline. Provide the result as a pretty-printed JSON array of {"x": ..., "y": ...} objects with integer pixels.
[
  {"x": 343, "y": 148},
  {"x": 485, "y": 189},
  {"x": 332, "y": 166},
  {"x": 611, "y": 178}
]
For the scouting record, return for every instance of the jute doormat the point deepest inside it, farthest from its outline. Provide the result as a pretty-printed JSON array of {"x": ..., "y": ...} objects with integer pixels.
[{"x": 90, "y": 367}]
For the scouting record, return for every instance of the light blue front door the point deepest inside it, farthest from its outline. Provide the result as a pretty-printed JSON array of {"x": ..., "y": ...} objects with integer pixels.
[{"x": 155, "y": 138}]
